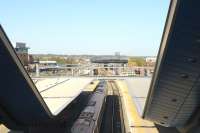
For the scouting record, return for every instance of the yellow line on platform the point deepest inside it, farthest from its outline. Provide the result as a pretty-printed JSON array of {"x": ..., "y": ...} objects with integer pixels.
[{"x": 133, "y": 122}]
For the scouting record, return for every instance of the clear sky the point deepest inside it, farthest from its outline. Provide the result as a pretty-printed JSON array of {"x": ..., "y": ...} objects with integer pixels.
[{"x": 132, "y": 27}]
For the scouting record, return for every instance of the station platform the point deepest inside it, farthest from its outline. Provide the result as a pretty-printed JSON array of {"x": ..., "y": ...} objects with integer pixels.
[
  {"x": 138, "y": 88},
  {"x": 59, "y": 92},
  {"x": 133, "y": 122},
  {"x": 92, "y": 86},
  {"x": 131, "y": 92}
]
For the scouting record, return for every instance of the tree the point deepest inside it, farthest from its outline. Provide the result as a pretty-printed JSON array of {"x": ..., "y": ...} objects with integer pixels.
[{"x": 136, "y": 61}]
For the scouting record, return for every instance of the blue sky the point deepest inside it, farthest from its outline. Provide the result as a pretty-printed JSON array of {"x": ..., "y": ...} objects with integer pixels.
[{"x": 132, "y": 27}]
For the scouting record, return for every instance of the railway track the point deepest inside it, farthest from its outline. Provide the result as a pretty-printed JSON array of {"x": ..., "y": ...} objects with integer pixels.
[
  {"x": 89, "y": 121},
  {"x": 103, "y": 113},
  {"x": 112, "y": 118}
]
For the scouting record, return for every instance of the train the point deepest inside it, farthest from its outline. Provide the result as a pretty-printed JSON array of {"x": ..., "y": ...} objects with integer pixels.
[{"x": 89, "y": 120}]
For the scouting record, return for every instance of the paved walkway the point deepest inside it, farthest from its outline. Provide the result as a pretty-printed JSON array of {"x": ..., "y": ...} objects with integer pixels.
[
  {"x": 134, "y": 122},
  {"x": 138, "y": 89}
]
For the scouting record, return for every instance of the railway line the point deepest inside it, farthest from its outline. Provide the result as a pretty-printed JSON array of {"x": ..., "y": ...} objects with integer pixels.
[
  {"x": 103, "y": 113},
  {"x": 90, "y": 119},
  {"x": 112, "y": 121}
]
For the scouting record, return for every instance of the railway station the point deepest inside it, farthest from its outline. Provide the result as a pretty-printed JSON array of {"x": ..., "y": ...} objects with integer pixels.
[
  {"x": 113, "y": 65},
  {"x": 167, "y": 102}
]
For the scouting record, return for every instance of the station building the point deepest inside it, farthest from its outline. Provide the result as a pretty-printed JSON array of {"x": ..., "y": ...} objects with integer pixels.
[{"x": 113, "y": 63}]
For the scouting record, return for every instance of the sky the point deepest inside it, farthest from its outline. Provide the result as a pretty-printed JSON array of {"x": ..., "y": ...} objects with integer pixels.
[{"x": 131, "y": 27}]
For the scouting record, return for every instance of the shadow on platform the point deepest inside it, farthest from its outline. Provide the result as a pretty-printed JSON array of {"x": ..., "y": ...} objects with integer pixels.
[{"x": 162, "y": 129}]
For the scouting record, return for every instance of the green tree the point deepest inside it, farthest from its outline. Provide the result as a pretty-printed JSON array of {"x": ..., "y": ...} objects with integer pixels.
[{"x": 138, "y": 61}]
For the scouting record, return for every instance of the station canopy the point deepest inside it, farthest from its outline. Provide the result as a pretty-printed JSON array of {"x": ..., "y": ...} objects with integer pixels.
[{"x": 110, "y": 59}]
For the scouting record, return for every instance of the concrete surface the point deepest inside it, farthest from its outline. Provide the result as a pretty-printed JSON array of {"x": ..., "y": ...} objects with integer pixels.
[
  {"x": 133, "y": 122},
  {"x": 45, "y": 83},
  {"x": 138, "y": 88},
  {"x": 59, "y": 92},
  {"x": 92, "y": 86}
]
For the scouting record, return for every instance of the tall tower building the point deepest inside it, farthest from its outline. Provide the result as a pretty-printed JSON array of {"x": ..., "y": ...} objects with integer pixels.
[{"x": 22, "y": 52}]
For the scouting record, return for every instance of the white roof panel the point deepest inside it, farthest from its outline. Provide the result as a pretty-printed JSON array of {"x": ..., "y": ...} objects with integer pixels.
[{"x": 59, "y": 92}]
